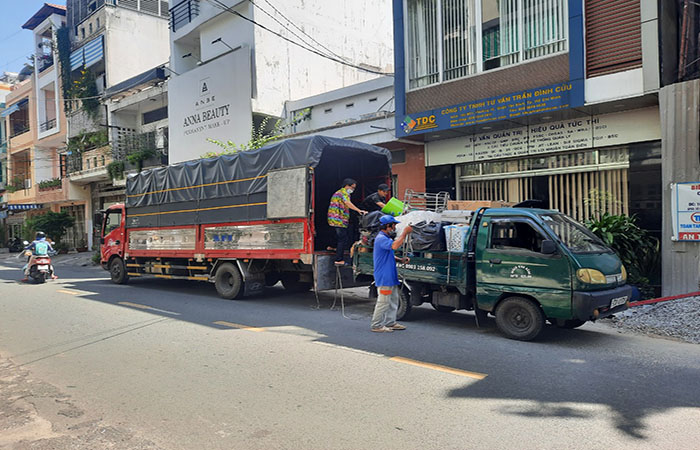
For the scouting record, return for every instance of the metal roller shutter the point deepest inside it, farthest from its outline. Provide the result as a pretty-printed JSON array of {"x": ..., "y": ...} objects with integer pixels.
[{"x": 613, "y": 36}]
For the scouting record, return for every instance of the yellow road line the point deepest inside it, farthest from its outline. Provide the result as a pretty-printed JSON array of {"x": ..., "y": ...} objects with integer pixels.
[
  {"x": 66, "y": 291},
  {"x": 240, "y": 327},
  {"x": 464, "y": 373},
  {"x": 135, "y": 305}
]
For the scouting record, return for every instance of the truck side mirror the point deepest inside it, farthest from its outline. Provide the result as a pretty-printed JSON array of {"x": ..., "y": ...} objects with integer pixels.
[
  {"x": 548, "y": 247},
  {"x": 97, "y": 219}
]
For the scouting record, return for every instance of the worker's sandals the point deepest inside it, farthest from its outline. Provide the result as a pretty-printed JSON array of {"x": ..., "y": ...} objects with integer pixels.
[
  {"x": 396, "y": 326},
  {"x": 382, "y": 330}
]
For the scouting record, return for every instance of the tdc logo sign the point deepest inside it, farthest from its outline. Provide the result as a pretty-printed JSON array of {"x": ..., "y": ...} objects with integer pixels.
[{"x": 695, "y": 217}]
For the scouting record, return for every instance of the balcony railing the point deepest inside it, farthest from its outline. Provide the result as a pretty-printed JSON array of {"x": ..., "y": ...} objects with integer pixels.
[
  {"x": 152, "y": 143},
  {"x": 48, "y": 125},
  {"x": 19, "y": 128},
  {"x": 45, "y": 63},
  {"x": 182, "y": 13}
]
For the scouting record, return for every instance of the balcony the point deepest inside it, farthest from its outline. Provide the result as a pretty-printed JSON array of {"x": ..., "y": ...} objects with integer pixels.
[
  {"x": 44, "y": 62},
  {"x": 48, "y": 125},
  {"x": 182, "y": 13},
  {"x": 21, "y": 190},
  {"x": 143, "y": 149},
  {"x": 90, "y": 165}
]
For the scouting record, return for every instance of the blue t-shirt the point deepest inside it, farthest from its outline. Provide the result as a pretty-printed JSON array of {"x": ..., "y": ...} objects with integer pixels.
[{"x": 385, "y": 273}]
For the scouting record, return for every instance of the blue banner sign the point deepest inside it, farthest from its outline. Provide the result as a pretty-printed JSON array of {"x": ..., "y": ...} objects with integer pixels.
[{"x": 504, "y": 107}]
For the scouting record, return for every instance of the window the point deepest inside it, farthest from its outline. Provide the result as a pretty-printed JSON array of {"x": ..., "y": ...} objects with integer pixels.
[
  {"x": 112, "y": 221},
  {"x": 349, "y": 105},
  {"x": 97, "y": 23},
  {"x": 449, "y": 39},
  {"x": 398, "y": 156},
  {"x": 90, "y": 28},
  {"x": 328, "y": 110},
  {"x": 373, "y": 99},
  {"x": 155, "y": 115},
  {"x": 576, "y": 237},
  {"x": 507, "y": 234},
  {"x": 82, "y": 33}
]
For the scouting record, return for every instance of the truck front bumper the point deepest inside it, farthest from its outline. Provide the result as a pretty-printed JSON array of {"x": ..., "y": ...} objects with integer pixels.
[{"x": 596, "y": 304}]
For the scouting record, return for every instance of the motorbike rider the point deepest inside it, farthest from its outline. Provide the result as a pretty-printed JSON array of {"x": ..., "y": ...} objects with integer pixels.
[{"x": 39, "y": 247}]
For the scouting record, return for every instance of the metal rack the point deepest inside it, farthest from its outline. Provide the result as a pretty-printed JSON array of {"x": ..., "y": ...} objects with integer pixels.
[{"x": 424, "y": 201}]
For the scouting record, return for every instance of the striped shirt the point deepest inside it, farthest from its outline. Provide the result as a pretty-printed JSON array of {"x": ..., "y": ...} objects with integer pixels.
[{"x": 338, "y": 213}]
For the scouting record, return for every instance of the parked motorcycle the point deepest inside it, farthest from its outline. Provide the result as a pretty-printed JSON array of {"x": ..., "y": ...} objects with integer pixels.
[{"x": 15, "y": 245}]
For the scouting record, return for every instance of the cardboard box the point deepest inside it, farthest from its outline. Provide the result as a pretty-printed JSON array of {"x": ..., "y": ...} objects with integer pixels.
[{"x": 473, "y": 205}]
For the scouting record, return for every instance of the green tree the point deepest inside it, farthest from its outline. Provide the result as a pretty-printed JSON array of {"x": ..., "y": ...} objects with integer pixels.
[{"x": 52, "y": 223}]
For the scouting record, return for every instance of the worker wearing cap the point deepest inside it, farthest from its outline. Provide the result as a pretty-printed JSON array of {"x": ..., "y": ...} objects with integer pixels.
[
  {"x": 376, "y": 201},
  {"x": 386, "y": 276}
]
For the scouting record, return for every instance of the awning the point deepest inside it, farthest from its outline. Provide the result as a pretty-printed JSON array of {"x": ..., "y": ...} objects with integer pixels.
[
  {"x": 24, "y": 206},
  {"x": 88, "y": 55},
  {"x": 10, "y": 110}
]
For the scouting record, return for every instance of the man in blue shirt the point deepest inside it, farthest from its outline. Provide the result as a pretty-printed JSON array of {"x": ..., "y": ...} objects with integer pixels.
[
  {"x": 40, "y": 247},
  {"x": 386, "y": 277}
]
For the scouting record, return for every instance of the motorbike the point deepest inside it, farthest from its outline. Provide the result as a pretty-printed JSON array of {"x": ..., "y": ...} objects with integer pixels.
[
  {"x": 15, "y": 245},
  {"x": 41, "y": 268}
]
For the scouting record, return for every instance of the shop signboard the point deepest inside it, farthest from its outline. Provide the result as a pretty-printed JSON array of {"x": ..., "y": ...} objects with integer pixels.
[
  {"x": 685, "y": 208},
  {"x": 210, "y": 102},
  {"x": 567, "y": 135}
]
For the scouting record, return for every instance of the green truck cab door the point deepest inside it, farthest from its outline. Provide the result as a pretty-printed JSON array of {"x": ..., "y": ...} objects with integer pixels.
[{"x": 510, "y": 261}]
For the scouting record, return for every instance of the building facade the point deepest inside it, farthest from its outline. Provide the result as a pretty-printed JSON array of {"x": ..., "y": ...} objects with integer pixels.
[
  {"x": 104, "y": 53},
  {"x": 236, "y": 62},
  {"x": 36, "y": 126},
  {"x": 363, "y": 112},
  {"x": 549, "y": 100}
]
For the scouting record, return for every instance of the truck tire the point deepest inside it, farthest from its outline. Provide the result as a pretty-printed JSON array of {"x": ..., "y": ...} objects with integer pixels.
[
  {"x": 117, "y": 271},
  {"x": 519, "y": 318},
  {"x": 292, "y": 283},
  {"x": 570, "y": 324},
  {"x": 405, "y": 307},
  {"x": 228, "y": 281}
]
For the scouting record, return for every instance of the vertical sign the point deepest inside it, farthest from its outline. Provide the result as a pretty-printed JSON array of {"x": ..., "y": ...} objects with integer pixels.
[{"x": 685, "y": 208}]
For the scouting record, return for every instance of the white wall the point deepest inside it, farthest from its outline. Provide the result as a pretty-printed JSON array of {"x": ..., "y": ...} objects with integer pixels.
[
  {"x": 361, "y": 31},
  {"x": 134, "y": 43}
]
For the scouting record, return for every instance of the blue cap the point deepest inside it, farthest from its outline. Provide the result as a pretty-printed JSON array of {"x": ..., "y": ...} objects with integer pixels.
[{"x": 387, "y": 219}]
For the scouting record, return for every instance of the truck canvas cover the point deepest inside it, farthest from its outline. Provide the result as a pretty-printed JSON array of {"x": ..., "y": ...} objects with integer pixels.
[{"x": 231, "y": 188}]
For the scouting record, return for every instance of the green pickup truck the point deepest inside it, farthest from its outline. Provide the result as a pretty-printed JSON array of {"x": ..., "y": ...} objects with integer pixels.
[{"x": 524, "y": 266}]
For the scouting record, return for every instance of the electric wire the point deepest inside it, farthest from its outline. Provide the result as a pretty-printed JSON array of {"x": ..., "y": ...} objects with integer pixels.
[{"x": 223, "y": 7}]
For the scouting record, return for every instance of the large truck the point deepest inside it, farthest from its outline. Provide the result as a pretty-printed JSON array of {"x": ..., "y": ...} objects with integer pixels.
[
  {"x": 525, "y": 266},
  {"x": 241, "y": 221}
]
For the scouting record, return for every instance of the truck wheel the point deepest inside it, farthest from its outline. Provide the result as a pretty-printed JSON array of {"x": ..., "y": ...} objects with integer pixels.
[
  {"x": 519, "y": 318},
  {"x": 292, "y": 283},
  {"x": 117, "y": 271},
  {"x": 570, "y": 324},
  {"x": 228, "y": 281},
  {"x": 405, "y": 307},
  {"x": 443, "y": 308}
]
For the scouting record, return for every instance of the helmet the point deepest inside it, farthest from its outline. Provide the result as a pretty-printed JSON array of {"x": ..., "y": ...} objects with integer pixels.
[{"x": 40, "y": 235}]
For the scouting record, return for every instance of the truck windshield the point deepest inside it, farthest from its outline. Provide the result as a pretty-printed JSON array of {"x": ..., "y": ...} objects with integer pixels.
[{"x": 575, "y": 236}]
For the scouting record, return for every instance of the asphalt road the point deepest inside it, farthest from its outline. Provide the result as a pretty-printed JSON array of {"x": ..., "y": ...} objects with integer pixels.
[{"x": 162, "y": 364}]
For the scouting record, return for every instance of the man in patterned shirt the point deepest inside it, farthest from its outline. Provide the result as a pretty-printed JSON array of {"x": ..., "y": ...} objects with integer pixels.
[{"x": 339, "y": 217}]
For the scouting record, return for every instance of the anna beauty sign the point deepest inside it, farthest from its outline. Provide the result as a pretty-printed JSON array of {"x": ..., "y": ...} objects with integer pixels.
[{"x": 211, "y": 101}]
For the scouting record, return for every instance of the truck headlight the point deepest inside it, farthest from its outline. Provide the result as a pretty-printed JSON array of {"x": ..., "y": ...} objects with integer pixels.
[
  {"x": 624, "y": 274},
  {"x": 591, "y": 276}
]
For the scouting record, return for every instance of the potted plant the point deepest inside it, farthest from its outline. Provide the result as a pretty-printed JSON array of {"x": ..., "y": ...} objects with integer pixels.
[{"x": 82, "y": 246}]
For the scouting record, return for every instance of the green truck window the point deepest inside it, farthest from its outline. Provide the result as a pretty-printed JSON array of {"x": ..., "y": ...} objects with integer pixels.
[{"x": 509, "y": 234}]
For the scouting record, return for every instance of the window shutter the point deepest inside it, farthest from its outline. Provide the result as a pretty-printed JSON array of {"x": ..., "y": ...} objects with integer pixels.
[{"x": 613, "y": 36}]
